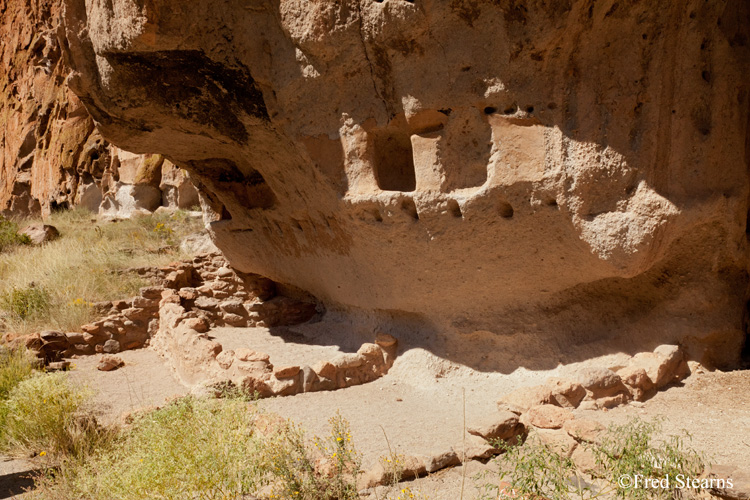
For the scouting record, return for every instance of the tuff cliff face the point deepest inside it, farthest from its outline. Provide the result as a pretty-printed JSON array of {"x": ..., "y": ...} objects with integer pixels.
[
  {"x": 47, "y": 136},
  {"x": 560, "y": 174},
  {"x": 51, "y": 155}
]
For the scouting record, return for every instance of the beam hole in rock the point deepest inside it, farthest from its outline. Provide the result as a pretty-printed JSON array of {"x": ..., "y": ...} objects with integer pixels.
[
  {"x": 225, "y": 215},
  {"x": 393, "y": 160},
  {"x": 408, "y": 206},
  {"x": 454, "y": 209},
  {"x": 505, "y": 209}
]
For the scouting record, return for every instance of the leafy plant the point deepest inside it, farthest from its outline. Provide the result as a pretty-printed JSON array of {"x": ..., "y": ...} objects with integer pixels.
[
  {"x": 326, "y": 472},
  {"x": 627, "y": 457},
  {"x": 9, "y": 235},
  {"x": 629, "y": 451}
]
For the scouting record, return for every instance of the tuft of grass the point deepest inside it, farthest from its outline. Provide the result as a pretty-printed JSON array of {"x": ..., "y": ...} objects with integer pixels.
[
  {"x": 84, "y": 266},
  {"x": 15, "y": 366},
  {"x": 535, "y": 469},
  {"x": 9, "y": 236},
  {"x": 42, "y": 415},
  {"x": 208, "y": 449}
]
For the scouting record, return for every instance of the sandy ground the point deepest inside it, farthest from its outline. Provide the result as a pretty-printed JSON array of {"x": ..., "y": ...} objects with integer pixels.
[
  {"x": 15, "y": 476},
  {"x": 713, "y": 407},
  {"x": 145, "y": 381},
  {"x": 420, "y": 405}
]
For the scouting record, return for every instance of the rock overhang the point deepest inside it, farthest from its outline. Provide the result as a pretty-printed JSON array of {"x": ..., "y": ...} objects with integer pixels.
[{"x": 454, "y": 160}]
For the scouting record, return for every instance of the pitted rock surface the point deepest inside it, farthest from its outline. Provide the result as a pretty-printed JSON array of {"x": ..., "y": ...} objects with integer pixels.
[{"x": 573, "y": 171}]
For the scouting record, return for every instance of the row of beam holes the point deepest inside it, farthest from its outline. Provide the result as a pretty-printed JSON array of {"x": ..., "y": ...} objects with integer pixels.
[
  {"x": 504, "y": 210},
  {"x": 394, "y": 166},
  {"x": 511, "y": 110}
]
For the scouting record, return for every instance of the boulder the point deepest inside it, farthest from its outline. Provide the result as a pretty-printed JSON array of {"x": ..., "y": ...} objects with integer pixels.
[
  {"x": 503, "y": 425},
  {"x": 127, "y": 200},
  {"x": 245, "y": 354},
  {"x": 723, "y": 475},
  {"x": 558, "y": 441},
  {"x": 111, "y": 346},
  {"x": 600, "y": 382},
  {"x": 40, "y": 233},
  {"x": 565, "y": 393},
  {"x": 286, "y": 372},
  {"x": 198, "y": 243},
  {"x": 546, "y": 417},
  {"x": 583, "y": 429},
  {"x": 637, "y": 380},
  {"x": 109, "y": 362}
]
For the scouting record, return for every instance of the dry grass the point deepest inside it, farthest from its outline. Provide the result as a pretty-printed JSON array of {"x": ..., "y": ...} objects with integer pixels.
[
  {"x": 210, "y": 450},
  {"x": 53, "y": 286},
  {"x": 42, "y": 414},
  {"x": 15, "y": 366}
]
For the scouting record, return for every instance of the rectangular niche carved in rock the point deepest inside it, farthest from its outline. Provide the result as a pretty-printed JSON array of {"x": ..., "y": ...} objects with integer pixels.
[{"x": 393, "y": 159}]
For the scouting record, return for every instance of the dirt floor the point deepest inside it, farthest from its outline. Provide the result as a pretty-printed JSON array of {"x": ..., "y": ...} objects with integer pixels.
[{"x": 420, "y": 405}]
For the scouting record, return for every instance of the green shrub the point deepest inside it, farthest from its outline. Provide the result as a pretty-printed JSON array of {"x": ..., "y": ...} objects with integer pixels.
[
  {"x": 26, "y": 302},
  {"x": 536, "y": 469},
  {"x": 9, "y": 235},
  {"x": 42, "y": 415},
  {"x": 327, "y": 471},
  {"x": 630, "y": 449}
]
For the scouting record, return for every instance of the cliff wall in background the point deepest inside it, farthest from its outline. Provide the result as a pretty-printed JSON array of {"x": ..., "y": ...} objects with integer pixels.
[{"x": 51, "y": 155}]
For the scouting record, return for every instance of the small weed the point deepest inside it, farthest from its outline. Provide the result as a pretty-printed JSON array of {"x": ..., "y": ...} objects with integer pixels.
[
  {"x": 26, "y": 302},
  {"x": 629, "y": 450},
  {"x": 534, "y": 469},
  {"x": 326, "y": 472}
]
